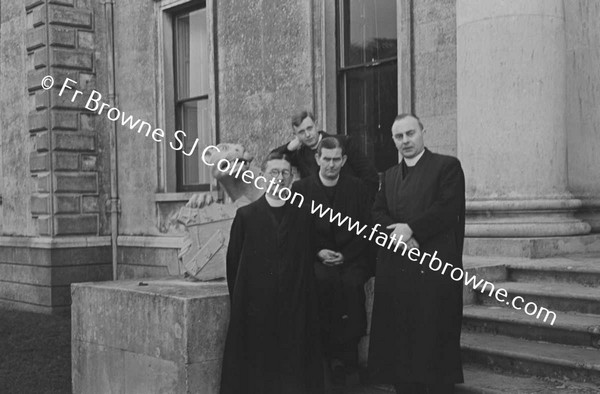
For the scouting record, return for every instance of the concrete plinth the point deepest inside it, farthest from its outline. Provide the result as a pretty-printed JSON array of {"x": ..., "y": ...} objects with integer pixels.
[
  {"x": 512, "y": 139},
  {"x": 156, "y": 336}
]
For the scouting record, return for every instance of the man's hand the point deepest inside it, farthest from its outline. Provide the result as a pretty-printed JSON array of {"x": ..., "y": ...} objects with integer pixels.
[
  {"x": 294, "y": 144},
  {"x": 401, "y": 230},
  {"x": 330, "y": 258},
  {"x": 200, "y": 200},
  {"x": 412, "y": 243}
]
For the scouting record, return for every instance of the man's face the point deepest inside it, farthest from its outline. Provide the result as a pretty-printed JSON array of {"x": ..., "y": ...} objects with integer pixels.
[
  {"x": 330, "y": 162},
  {"x": 408, "y": 137},
  {"x": 307, "y": 133},
  {"x": 281, "y": 173}
]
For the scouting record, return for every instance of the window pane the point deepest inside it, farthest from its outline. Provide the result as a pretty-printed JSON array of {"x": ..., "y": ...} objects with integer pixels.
[
  {"x": 370, "y": 109},
  {"x": 192, "y": 54},
  {"x": 195, "y": 122},
  {"x": 369, "y": 31},
  {"x": 385, "y": 102}
]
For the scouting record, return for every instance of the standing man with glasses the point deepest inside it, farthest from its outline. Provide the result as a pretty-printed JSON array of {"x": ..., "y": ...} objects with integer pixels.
[
  {"x": 302, "y": 149},
  {"x": 342, "y": 264},
  {"x": 272, "y": 344},
  {"x": 417, "y": 309}
]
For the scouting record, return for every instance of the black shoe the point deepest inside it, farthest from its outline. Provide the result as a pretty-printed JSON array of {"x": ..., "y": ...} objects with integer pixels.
[{"x": 338, "y": 372}]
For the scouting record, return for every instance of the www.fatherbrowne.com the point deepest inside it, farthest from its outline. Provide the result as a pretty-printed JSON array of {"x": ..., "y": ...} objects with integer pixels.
[
  {"x": 382, "y": 239},
  {"x": 435, "y": 264}
]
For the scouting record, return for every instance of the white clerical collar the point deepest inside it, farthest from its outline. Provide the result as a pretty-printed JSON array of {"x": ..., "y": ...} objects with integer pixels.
[
  {"x": 318, "y": 142},
  {"x": 412, "y": 161},
  {"x": 274, "y": 202},
  {"x": 329, "y": 182}
]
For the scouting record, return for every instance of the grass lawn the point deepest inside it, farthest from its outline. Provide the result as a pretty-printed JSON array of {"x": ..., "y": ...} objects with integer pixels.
[{"x": 35, "y": 352}]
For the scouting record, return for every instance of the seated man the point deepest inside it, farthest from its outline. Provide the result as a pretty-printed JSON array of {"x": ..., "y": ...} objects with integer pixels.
[
  {"x": 303, "y": 146},
  {"x": 342, "y": 264},
  {"x": 272, "y": 342}
]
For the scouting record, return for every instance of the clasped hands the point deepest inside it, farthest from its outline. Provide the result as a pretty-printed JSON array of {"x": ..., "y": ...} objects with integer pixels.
[
  {"x": 330, "y": 258},
  {"x": 403, "y": 233}
]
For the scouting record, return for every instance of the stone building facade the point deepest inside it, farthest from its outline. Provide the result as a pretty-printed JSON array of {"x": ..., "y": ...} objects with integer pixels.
[{"x": 510, "y": 87}]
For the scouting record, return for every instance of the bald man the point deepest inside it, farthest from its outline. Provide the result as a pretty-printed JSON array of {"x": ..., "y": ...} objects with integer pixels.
[{"x": 417, "y": 310}]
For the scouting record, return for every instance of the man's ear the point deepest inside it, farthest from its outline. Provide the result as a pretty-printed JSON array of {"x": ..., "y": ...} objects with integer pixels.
[
  {"x": 317, "y": 157},
  {"x": 344, "y": 158}
]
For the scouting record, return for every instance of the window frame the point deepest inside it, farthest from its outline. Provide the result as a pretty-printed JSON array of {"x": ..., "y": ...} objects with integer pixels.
[
  {"x": 342, "y": 70},
  {"x": 166, "y": 85},
  {"x": 178, "y": 103}
]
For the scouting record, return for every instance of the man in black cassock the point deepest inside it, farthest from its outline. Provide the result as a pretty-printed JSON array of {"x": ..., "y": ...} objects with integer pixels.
[
  {"x": 272, "y": 344},
  {"x": 302, "y": 149},
  {"x": 417, "y": 312},
  {"x": 342, "y": 265}
]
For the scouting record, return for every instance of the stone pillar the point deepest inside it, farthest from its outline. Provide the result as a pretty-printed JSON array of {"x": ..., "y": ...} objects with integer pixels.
[
  {"x": 60, "y": 44},
  {"x": 582, "y": 19},
  {"x": 53, "y": 139},
  {"x": 511, "y": 88}
]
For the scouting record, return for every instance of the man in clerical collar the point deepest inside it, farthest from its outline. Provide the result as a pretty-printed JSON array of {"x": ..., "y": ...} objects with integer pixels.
[
  {"x": 302, "y": 147},
  {"x": 417, "y": 309},
  {"x": 342, "y": 260},
  {"x": 272, "y": 344}
]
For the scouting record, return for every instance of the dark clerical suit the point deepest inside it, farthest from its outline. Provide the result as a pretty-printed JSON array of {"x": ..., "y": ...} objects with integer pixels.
[
  {"x": 417, "y": 312},
  {"x": 358, "y": 164},
  {"x": 272, "y": 344},
  {"x": 341, "y": 287}
]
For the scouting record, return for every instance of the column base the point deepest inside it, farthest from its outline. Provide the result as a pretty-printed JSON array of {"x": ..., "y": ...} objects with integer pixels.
[
  {"x": 524, "y": 218},
  {"x": 590, "y": 213}
]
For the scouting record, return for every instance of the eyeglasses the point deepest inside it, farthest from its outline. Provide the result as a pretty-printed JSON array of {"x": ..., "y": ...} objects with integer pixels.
[{"x": 284, "y": 173}]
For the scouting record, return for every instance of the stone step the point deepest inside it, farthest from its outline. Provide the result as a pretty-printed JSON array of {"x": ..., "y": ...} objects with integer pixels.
[
  {"x": 485, "y": 381},
  {"x": 583, "y": 270},
  {"x": 553, "y": 296},
  {"x": 569, "y": 328},
  {"x": 575, "y": 363},
  {"x": 533, "y": 248},
  {"x": 480, "y": 380}
]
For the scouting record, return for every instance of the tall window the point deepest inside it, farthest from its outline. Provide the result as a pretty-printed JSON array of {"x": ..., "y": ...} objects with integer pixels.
[
  {"x": 192, "y": 109},
  {"x": 367, "y": 76}
]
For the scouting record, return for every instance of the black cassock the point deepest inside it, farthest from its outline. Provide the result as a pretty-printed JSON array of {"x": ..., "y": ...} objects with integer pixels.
[
  {"x": 272, "y": 343},
  {"x": 342, "y": 294},
  {"x": 417, "y": 312}
]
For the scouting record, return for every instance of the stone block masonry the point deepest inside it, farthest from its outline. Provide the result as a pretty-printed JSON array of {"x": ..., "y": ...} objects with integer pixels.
[
  {"x": 55, "y": 234},
  {"x": 60, "y": 42}
]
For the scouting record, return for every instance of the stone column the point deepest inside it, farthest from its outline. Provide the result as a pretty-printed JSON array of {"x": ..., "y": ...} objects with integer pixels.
[
  {"x": 582, "y": 19},
  {"x": 511, "y": 88}
]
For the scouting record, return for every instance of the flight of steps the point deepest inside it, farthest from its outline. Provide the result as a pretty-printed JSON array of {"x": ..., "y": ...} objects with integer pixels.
[{"x": 506, "y": 351}]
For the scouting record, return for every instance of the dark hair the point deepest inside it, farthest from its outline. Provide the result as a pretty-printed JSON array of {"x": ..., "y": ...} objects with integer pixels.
[
  {"x": 406, "y": 115},
  {"x": 298, "y": 117},
  {"x": 331, "y": 143},
  {"x": 274, "y": 156}
]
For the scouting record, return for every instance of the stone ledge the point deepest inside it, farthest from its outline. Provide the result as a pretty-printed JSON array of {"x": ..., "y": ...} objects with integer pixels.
[
  {"x": 54, "y": 243},
  {"x": 150, "y": 241}
]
